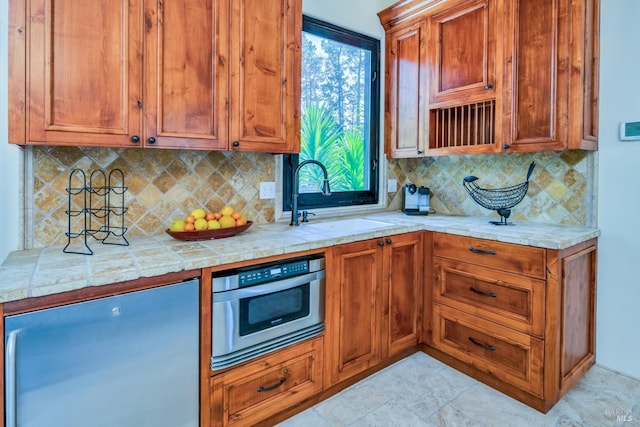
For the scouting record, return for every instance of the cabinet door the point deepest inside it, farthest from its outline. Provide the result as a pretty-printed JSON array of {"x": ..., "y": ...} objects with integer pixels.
[
  {"x": 265, "y": 39},
  {"x": 406, "y": 88},
  {"x": 185, "y": 74},
  {"x": 355, "y": 295},
  {"x": 537, "y": 65},
  {"x": 463, "y": 52},
  {"x": 84, "y": 72},
  {"x": 584, "y": 89},
  {"x": 403, "y": 292}
]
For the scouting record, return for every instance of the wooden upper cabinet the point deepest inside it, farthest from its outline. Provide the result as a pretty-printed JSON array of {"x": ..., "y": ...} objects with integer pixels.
[
  {"x": 84, "y": 72},
  {"x": 515, "y": 76},
  {"x": 265, "y": 39},
  {"x": 462, "y": 53},
  {"x": 406, "y": 126},
  {"x": 185, "y": 74},
  {"x": 199, "y": 74},
  {"x": 551, "y": 70}
]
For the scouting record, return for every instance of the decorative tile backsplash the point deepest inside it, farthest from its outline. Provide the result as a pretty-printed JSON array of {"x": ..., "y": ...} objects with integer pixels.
[
  {"x": 162, "y": 185},
  {"x": 560, "y": 189},
  {"x": 166, "y": 184}
]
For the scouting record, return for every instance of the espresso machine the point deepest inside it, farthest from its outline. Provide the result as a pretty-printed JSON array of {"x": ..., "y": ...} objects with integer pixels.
[{"x": 415, "y": 200}]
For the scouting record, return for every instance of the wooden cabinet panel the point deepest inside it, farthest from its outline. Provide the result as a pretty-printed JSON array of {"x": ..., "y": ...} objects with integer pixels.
[
  {"x": 84, "y": 74},
  {"x": 186, "y": 75},
  {"x": 463, "y": 52},
  {"x": 512, "y": 356},
  {"x": 356, "y": 323},
  {"x": 375, "y": 299},
  {"x": 552, "y": 58},
  {"x": 519, "y": 259},
  {"x": 510, "y": 299},
  {"x": 406, "y": 87},
  {"x": 540, "y": 74},
  {"x": 247, "y": 395},
  {"x": 265, "y": 60},
  {"x": 403, "y": 291}
]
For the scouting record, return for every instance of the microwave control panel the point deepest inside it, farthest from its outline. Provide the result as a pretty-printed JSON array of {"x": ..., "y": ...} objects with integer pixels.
[{"x": 274, "y": 272}]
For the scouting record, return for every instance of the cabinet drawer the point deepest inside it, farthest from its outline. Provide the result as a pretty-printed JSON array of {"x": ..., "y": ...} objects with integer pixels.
[
  {"x": 511, "y": 356},
  {"x": 520, "y": 259},
  {"x": 512, "y": 300},
  {"x": 253, "y": 392}
]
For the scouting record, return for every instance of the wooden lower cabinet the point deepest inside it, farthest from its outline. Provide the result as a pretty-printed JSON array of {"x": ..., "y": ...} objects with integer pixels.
[
  {"x": 247, "y": 395},
  {"x": 373, "y": 303},
  {"x": 519, "y": 318}
]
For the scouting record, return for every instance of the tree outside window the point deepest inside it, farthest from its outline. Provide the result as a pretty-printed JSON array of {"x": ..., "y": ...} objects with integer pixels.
[{"x": 339, "y": 123}]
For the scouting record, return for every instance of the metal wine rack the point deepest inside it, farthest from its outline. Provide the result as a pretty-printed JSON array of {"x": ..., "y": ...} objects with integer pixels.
[{"x": 95, "y": 210}]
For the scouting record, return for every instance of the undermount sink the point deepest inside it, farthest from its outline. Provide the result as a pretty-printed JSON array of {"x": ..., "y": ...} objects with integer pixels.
[{"x": 354, "y": 225}]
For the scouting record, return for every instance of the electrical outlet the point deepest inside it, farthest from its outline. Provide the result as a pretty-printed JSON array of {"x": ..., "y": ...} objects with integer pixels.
[
  {"x": 392, "y": 185},
  {"x": 267, "y": 190}
]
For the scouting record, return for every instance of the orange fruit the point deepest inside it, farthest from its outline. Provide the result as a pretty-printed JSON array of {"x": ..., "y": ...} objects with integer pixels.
[
  {"x": 209, "y": 216},
  {"x": 217, "y": 215},
  {"x": 239, "y": 222},
  {"x": 236, "y": 215},
  {"x": 190, "y": 219},
  {"x": 189, "y": 226}
]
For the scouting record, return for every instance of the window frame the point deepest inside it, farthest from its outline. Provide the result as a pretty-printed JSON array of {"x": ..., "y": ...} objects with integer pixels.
[{"x": 290, "y": 161}]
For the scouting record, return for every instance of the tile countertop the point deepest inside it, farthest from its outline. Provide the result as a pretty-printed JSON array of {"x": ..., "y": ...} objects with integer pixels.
[{"x": 47, "y": 271}]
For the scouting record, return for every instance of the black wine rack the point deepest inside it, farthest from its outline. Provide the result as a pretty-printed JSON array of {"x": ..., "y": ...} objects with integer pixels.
[{"x": 95, "y": 209}]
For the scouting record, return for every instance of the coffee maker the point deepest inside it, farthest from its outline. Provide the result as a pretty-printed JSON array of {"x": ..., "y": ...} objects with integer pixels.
[{"x": 415, "y": 200}]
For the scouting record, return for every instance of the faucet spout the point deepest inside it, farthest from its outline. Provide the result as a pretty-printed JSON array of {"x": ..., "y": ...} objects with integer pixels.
[{"x": 326, "y": 190}]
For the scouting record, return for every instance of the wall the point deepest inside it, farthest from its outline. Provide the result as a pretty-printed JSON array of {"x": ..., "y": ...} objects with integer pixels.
[
  {"x": 618, "y": 340},
  {"x": 10, "y": 158}
]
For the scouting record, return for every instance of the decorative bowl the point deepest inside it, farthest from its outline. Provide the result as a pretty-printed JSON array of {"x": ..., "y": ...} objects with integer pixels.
[{"x": 219, "y": 233}]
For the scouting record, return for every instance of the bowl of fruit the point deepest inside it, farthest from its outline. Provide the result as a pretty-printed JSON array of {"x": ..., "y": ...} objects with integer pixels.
[{"x": 203, "y": 225}]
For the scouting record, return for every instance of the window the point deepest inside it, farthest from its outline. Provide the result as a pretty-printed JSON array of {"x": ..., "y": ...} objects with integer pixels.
[{"x": 340, "y": 116}]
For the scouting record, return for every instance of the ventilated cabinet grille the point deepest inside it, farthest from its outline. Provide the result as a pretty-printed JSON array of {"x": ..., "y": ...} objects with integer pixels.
[{"x": 463, "y": 125}]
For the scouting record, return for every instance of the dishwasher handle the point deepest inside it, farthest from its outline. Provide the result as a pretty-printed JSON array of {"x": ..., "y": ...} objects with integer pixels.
[{"x": 11, "y": 380}]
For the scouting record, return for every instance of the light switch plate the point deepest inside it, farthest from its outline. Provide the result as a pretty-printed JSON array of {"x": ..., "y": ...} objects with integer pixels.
[
  {"x": 392, "y": 185},
  {"x": 267, "y": 190}
]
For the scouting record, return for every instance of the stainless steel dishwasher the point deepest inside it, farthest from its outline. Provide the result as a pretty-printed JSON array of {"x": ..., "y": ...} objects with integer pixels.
[{"x": 124, "y": 360}]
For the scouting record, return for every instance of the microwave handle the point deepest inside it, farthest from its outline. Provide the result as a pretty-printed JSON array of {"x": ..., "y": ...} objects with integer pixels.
[{"x": 267, "y": 288}]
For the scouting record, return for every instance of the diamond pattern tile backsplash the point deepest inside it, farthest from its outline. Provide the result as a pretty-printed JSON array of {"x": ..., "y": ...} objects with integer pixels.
[
  {"x": 166, "y": 184},
  {"x": 162, "y": 185},
  {"x": 560, "y": 189}
]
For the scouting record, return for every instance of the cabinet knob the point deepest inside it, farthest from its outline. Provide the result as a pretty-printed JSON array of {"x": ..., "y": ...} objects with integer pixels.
[
  {"x": 380, "y": 243},
  {"x": 505, "y": 146},
  {"x": 236, "y": 144},
  {"x": 135, "y": 139},
  {"x": 388, "y": 241},
  {"x": 151, "y": 140},
  {"x": 488, "y": 86},
  {"x": 419, "y": 151}
]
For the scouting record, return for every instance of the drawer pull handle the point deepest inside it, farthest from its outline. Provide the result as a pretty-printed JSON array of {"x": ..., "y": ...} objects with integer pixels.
[
  {"x": 485, "y": 294},
  {"x": 272, "y": 387},
  {"x": 481, "y": 251},
  {"x": 485, "y": 346}
]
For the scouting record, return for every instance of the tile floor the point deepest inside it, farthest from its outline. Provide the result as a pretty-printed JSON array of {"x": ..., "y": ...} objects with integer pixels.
[{"x": 421, "y": 391}]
